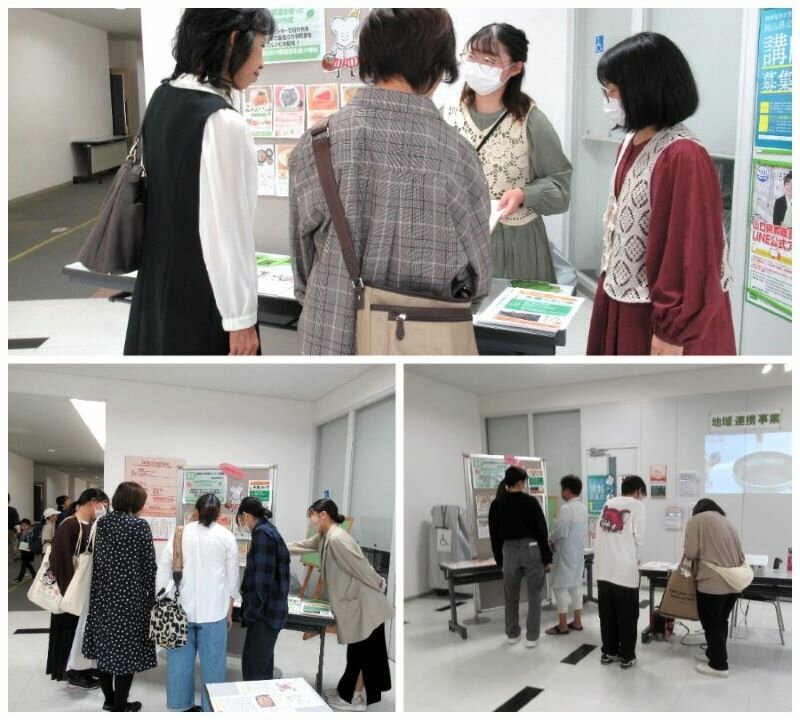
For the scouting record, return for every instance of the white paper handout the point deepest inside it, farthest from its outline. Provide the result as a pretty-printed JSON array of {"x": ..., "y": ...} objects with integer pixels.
[
  {"x": 496, "y": 215},
  {"x": 531, "y": 311}
]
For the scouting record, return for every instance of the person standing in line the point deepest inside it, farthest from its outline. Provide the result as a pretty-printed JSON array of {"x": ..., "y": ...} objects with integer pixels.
[
  {"x": 71, "y": 538},
  {"x": 122, "y": 596},
  {"x": 518, "y": 533},
  {"x": 13, "y": 529},
  {"x": 265, "y": 590},
  {"x": 618, "y": 552},
  {"x": 568, "y": 540},
  {"x": 359, "y": 604},
  {"x": 208, "y": 588},
  {"x": 65, "y": 509},
  {"x": 49, "y": 520},
  {"x": 712, "y": 543}
]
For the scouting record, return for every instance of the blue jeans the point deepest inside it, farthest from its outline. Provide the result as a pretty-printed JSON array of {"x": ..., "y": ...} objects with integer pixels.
[{"x": 210, "y": 640}]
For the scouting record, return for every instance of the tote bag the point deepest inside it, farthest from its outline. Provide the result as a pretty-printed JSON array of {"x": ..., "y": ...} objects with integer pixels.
[
  {"x": 44, "y": 591},
  {"x": 76, "y": 599},
  {"x": 680, "y": 597},
  {"x": 169, "y": 626}
]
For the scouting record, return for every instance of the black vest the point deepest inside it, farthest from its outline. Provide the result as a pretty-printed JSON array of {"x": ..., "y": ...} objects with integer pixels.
[{"x": 174, "y": 311}]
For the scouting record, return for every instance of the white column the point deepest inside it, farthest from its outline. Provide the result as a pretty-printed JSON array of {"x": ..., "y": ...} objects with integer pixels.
[{"x": 159, "y": 24}]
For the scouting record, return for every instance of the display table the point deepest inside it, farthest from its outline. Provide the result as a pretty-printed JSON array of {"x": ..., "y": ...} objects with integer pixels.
[{"x": 286, "y": 695}]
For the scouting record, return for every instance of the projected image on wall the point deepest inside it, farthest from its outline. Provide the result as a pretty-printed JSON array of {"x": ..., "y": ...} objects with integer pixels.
[{"x": 749, "y": 463}]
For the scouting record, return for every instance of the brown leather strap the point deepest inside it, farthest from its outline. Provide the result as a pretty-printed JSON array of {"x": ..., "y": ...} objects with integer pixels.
[
  {"x": 177, "y": 550},
  {"x": 327, "y": 177}
]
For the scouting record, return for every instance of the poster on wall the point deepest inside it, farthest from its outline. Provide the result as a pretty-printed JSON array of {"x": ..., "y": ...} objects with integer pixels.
[
  {"x": 688, "y": 483},
  {"x": 348, "y": 92},
  {"x": 299, "y": 36},
  {"x": 282, "y": 153},
  {"x": 342, "y": 43},
  {"x": 599, "y": 489},
  {"x": 258, "y": 111},
  {"x": 482, "y": 504},
  {"x": 159, "y": 477},
  {"x": 658, "y": 481},
  {"x": 769, "y": 265},
  {"x": 265, "y": 159},
  {"x": 673, "y": 518},
  {"x": 262, "y": 490},
  {"x": 236, "y": 492},
  {"x": 774, "y": 91},
  {"x": 197, "y": 483},
  {"x": 323, "y": 101},
  {"x": 290, "y": 111},
  {"x": 160, "y": 527},
  {"x": 487, "y": 473},
  {"x": 746, "y": 420}
]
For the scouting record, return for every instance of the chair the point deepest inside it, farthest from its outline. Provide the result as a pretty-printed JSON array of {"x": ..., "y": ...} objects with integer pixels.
[{"x": 760, "y": 594}]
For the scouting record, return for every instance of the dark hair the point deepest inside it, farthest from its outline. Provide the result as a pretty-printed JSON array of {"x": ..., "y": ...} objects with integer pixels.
[
  {"x": 488, "y": 41},
  {"x": 655, "y": 81},
  {"x": 91, "y": 494},
  {"x": 572, "y": 483},
  {"x": 706, "y": 505},
  {"x": 201, "y": 42},
  {"x": 25, "y": 521},
  {"x": 786, "y": 179},
  {"x": 514, "y": 475},
  {"x": 632, "y": 483},
  {"x": 208, "y": 508},
  {"x": 327, "y": 506},
  {"x": 129, "y": 497},
  {"x": 60, "y": 501},
  {"x": 417, "y": 44},
  {"x": 252, "y": 506}
]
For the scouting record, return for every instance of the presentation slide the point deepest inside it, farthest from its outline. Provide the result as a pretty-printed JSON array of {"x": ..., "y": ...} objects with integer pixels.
[{"x": 749, "y": 463}]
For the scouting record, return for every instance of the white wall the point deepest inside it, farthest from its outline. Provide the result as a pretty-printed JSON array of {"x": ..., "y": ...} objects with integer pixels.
[
  {"x": 159, "y": 23},
  {"x": 53, "y": 482},
  {"x": 128, "y": 55},
  {"x": 441, "y": 425},
  {"x": 20, "y": 484},
  {"x": 377, "y": 383},
  {"x": 58, "y": 91}
]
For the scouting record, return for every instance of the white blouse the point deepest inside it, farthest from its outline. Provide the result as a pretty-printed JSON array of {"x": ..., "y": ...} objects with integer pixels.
[{"x": 228, "y": 197}]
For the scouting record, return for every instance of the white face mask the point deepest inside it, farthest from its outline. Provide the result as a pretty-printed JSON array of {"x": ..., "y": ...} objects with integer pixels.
[
  {"x": 482, "y": 79},
  {"x": 614, "y": 111},
  {"x": 99, "y": 512}
]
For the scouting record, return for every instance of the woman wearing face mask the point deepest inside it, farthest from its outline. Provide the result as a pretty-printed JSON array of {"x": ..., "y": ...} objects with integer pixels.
[
  {"x": 265, "y": 590},
  {"x": 196, "y": 291},
  {"x": 90, "y": 505},
  {"x": 665, "y": 269},
  {"x": 519, "y": 149},
  {"x": 122, "y": 596},
  {"x": 356, "y": 593}
]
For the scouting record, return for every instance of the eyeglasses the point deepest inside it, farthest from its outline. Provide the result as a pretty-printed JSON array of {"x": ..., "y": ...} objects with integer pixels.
[{"x": 485, "y": 60}]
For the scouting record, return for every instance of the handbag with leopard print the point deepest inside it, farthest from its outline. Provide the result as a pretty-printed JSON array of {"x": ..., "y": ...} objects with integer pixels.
[{"x": 169, "y": 626}]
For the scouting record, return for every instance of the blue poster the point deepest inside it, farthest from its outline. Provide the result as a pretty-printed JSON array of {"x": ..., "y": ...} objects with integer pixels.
[
  {"x": 600, "y": 489},
  {"x": 774, "y": 91}
]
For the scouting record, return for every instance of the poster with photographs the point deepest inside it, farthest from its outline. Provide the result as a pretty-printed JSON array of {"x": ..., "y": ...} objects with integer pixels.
[
  {"x": 290, "y": 111},
  {"x": 348, "y": 91},
  {"x": 283, "y": 153},
  {"x": 265, "y": 159},
  {"x": 258, "y": 111},
  {"x": 658, "y": 481},
  {"x": 323, "y": 101}
]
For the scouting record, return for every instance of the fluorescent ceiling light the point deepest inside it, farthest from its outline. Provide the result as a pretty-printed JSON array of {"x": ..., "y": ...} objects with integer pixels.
[{"x": 93, "y": 415}]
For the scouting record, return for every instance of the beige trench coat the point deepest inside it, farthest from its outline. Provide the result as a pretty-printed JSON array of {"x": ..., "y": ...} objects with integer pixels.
[{"x": 354, "y": 588}]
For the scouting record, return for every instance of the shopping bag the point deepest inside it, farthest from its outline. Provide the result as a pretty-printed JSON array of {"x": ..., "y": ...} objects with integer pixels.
[
  {"x": 44, "y": 591},
  {"x": 76, "y": 599},
  {"x": 680, "y": 597},
  {"x": 77, "y": 660}
]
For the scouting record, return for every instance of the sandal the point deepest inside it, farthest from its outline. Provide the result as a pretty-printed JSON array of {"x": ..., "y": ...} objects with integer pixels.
[
  {"x": 571, "y": 626},
  {"x": 556, "y": 631}
]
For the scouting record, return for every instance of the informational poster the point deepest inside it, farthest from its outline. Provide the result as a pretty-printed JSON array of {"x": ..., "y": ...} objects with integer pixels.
[
  {"x": 531, "y": 311},
  {"x": 265, "y": 159},
  {"x": 197, "y": 483},
  {"x": 160, "y": 527},
  {"x": 299, "y": 36},
  {"x": 160, "y": 478},
  {"x": 769, "y": 266},
  {"x": 286, "y": 695},
  {"x": 323, "y": 101},
  {"x": 258, "y": 110},
  {"x": 236, "y": 492},
  {"x": 658, "y": 481},
  {"x": 688, "y": 483},
  {"x": 483, "y": 528},
  {"x": 290, "y": 111},
  {"x": 483, "y": 503},
  {"x": 774, "y": 93},
  {"x": 349, "y": 91},
  {"x": 746, "y": 420},
  {"x": 262, "y": 490},
  {"x": 283, "y": 152},
  {"x": 599, "y": 490},
  {"x": 487, "y": 473},
  {"x": 673, "y": 518}
]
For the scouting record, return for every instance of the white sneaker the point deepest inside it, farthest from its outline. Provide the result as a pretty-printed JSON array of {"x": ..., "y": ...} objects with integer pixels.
[
  {"x": 359, "y": 704},
  {"x": 331, "y": 694},
  {"x": 514, "y": 641},
  {"x": 531, "y": 644},
  {"x": 702, "y": 658},
  {"x": 708, "y": 670}
]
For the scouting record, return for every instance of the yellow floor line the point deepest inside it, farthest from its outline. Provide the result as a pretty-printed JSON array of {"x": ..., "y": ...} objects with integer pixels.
[{"x": 51, "y": 240}]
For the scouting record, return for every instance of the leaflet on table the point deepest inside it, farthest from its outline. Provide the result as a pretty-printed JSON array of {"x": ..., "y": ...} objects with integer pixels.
[
  {"x": 265, "y": 159},
  {"x": 265, "y": 696},
  {"x": 531, "y": 311},
  {"x": 323, "y": 101},
  {"x": 315, "y": 608},
  {"x": 275, "y": 275},
  {"x": 258, "y": 111},
  {"x": 283, "y": 153},
  {"x": 290, "y": 111}
]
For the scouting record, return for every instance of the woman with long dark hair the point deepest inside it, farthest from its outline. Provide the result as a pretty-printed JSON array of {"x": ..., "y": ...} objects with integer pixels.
[
  {"x": 196, "y": 289},
  {"x": 521, "y": 154},
  {"x": 208, "y": 588},
  {"x": 665, "y": 271},
  {"x": 357, "y": 596}
]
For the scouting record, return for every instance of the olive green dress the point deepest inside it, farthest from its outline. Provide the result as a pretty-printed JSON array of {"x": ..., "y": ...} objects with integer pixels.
[{"x": 523, "y": 252}]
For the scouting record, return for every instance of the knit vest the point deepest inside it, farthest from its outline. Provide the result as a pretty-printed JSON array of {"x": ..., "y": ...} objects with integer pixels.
[
  {"x": 505, "y": 156},
  {"x": 627, "y": 222}
]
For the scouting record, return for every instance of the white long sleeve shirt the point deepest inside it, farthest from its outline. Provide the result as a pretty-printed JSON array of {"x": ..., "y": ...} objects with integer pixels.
[
  {"x": 210, "y": 571},
  {"x": 228, "y": 197},
  {"x": 620, "y": 539}
]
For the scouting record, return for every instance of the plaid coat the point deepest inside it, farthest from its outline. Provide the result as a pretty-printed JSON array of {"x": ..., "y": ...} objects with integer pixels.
[
  {"x": 418, "y": 206},
  {"x": 265, "y": 586}
]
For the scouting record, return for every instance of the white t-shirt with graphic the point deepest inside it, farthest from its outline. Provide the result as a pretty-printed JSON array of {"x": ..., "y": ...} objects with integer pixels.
[{"x": 620, "y": 538}]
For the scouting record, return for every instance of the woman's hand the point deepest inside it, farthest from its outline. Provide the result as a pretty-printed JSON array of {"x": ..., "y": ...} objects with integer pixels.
[
  {"x": 659, "y": 347},
  {"x": 511, "y": 202},
  {"x": 230, "y": 618},
  {"x": 245, "y": 342},
  {"x": 548, "y": 568}
]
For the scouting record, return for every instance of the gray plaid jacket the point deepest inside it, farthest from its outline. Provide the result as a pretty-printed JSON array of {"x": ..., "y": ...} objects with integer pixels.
[{"x": 418, "y": 206}]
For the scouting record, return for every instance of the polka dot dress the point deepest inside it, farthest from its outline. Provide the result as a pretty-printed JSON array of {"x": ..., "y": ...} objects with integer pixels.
[{"x": 122, "y": 596}]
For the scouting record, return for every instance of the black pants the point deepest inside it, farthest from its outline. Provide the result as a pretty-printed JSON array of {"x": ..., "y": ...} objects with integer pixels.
[
  {"x": 27, "y": 564},
  {"x": 116, "y": 689},
  {"x": 714, "y": 612},
  {"x": 62, "y": 633},
  {"x": 371, "y": 658},
  {"x": 258, "y": 655},
  {"x": 619, "y": 618}
]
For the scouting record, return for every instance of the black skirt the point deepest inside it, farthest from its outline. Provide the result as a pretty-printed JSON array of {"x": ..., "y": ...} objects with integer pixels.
[
  {"x": 371, "y": 658},
  {"x": 62, "y": 634}
]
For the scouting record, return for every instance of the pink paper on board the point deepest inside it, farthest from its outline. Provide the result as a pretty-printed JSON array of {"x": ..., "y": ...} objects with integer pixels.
[
  {"x": 511, "y": 460},
  {"x": 232, "y": 471}
]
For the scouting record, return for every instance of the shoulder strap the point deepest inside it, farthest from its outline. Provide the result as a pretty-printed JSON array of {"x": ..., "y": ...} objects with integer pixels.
[
  {"x": 177, "y": 557},
  {"x": 491, "y": 132},
  {"x": 77, "y": 550},
  {"x": 321, "y": 136}
]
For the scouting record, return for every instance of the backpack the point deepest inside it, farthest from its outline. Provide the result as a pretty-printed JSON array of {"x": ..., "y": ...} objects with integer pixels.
[{"x": 35, "y": 539}]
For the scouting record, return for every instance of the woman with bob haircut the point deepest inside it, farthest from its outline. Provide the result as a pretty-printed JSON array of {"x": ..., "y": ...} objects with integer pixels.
[
  {"x": 360, "y": 606},
  {"x": 122, "y": 596},
  {"x": 196, "y": 289},
  {"x": 413, "y": 191},
  {"x": 666, "y": 273}
]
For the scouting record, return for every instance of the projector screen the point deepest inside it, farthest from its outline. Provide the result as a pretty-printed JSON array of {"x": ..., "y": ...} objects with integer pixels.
[{"x": 750, "y": 463}]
